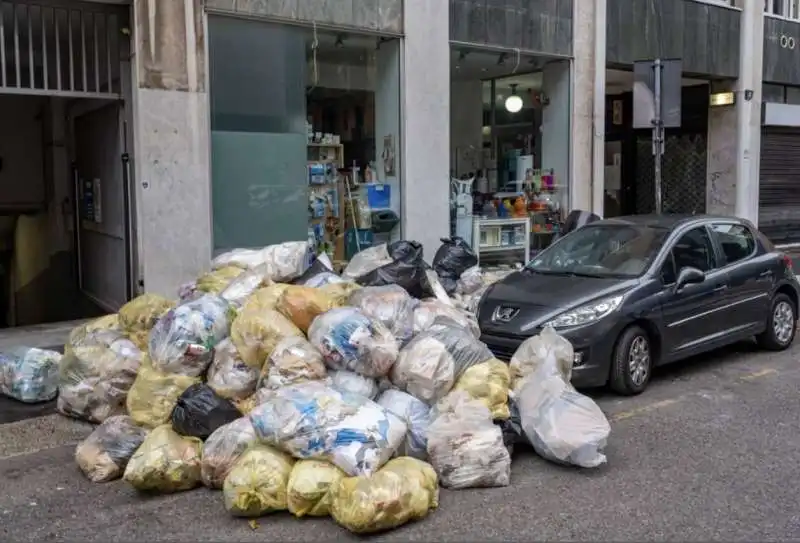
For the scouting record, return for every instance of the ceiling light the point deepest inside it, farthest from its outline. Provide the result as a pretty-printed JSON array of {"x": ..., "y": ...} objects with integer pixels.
[{"x": 513, "y": 102}]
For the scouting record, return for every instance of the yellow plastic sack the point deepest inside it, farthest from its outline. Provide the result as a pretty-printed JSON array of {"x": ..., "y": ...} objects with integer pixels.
[
  {"x": 246, "y": 405},
  {"x": 403, "y": 490},
  {"x": 488, "y": 382},
  {"x": 256, "y": 333},
  {"x": 301, "y": 305},
  {"x": 339, "y": 292},
  {"x": 309, "y": 487},
  {"x": 80, "y": 333},
  {"x": 165, "y": 462},
  {"x": 256, "y": 485},
  {"x": 215, "y": 281},
  {"x": 265, "y": 298},
  {"x": 141, "y": 313},
  {"x": 154, "y": 394}
]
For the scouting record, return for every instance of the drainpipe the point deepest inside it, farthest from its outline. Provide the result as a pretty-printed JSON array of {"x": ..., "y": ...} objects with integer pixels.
[{"x": 599, "y": 108}]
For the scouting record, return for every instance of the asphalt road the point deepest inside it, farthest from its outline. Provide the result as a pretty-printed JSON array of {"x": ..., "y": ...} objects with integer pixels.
[{"x": 709, "y": 453}]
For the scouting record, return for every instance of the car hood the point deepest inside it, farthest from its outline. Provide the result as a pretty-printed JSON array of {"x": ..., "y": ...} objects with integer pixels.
[{"x": 537, "y": 298}]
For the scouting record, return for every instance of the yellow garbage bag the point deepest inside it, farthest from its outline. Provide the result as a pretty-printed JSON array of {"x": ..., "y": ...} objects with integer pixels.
[
  {"x": 340, "y": 292},
  {"x": 256, "y": 333},
  {"x": 309, "y": 487},
  {"x": 301, "y": 305},
  {"x": 215, "y": 281},
  {"x": 141, "y": 313},
  {"x": 265, "y": 298},
  {"x": 488, "y": 382},
  {"x": 154, "y": 394},
  {"x": 80, "y": 334},
  {"x": 403, "y": 490},
  {"x": 246, "y": 405},
  {"x": 223, "y": 448},
  {"x": 256, "y": 485},
  {"x": 165, "y": 462}
]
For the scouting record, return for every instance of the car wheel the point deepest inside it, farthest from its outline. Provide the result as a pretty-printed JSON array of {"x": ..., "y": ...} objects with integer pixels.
[
  {"x": 781, "y": 324},
  {"x": 632, "y": 363}
]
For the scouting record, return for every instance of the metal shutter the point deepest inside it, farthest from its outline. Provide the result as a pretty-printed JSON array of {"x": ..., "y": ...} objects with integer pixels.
[{"x": 779, "y": 185}]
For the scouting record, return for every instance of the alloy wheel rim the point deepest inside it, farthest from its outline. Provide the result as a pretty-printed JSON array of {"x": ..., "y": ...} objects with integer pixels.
[
  {"x": 639, "y": 360},
  {"x": 783, "y": 322}
]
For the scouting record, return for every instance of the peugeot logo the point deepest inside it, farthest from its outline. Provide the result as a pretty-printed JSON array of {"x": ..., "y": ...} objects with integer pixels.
[{"x": 504, "y": 313}]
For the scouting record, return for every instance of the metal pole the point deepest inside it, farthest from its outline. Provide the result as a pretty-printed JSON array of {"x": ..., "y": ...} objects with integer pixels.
[{"x": 658, "y": 132}]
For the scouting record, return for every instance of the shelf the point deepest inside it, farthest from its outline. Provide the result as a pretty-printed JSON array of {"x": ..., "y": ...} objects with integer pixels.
[
  {"x": 500, "y": 248},
  {"x": 324, "y": 145},
  {"x": 502, "y": 222}
]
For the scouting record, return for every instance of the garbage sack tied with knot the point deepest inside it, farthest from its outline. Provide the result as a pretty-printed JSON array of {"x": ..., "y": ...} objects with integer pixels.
[
  {"x": 451, "y": 260},
  {"x": 257, "y": 482},
  {"x": 391, "y": 305},
  {"x": 223, "y": 448},
  {"x": 199, "y": 411},
  {"x": 103, "y": 456},
  {"x": 165, "y": 462},
  {"x": 309, "y": 488}
]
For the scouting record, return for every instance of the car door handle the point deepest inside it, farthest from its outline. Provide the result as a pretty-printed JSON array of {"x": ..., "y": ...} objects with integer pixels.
[
  {"x": 767, "y": 273},
  {"x": 720, "y": 288}
]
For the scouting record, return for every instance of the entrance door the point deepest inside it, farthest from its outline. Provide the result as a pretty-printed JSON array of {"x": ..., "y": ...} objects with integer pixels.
[{"x": 103, "y": 254}]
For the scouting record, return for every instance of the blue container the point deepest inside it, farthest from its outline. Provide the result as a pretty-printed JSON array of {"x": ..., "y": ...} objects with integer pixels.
[
  {"x": 365, "y": 240},
  {"x": 379, "y": 196}
]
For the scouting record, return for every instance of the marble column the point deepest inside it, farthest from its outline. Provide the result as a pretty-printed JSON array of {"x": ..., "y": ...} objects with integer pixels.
[{"x": 171, "y": 142}]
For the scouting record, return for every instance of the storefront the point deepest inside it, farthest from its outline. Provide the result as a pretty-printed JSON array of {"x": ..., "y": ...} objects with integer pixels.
[{"x": 510, "y": 117}]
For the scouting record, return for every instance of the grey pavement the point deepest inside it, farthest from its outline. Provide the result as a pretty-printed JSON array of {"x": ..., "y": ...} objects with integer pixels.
[{"x": 708, "y": 453}]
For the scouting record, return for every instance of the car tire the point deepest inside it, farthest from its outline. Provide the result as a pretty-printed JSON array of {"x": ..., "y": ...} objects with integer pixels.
[
  {"x": 781, "y": 324},
  {"x": 632, "y": 362}
]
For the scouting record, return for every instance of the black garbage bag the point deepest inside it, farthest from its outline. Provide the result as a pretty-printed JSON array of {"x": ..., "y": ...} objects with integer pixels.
[
  {"x": 406, "y": 270},
  {"x": 200, "y": 411},
  {"x": 452, "y": 259},
  {"x": 406, "y": 251},
  {"x": 512, "y": 428},
  {"x": 317, "y": 275}
]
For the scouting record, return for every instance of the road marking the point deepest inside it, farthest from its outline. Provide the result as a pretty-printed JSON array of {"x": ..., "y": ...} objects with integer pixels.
[
  {"x": 645, "y": 409},
  {"x": 758, "y": 374}
]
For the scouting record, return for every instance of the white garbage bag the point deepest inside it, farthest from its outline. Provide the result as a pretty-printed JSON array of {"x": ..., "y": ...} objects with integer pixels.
[
  {"x": 429, "y": 366},
  {"x": 350, "y": 340},
  {"x": 416, "y": 415},
  {"x": 350, "y": 382},
  {"x": 563, "y": 425},
  {"x": 431, "y": 309},
  {"x": 311, "y": 420},
  {"x": 392, "y": 305},
  {"x": 29, "y": 375},
  {"x": 280, "y": 263},
  {"x": 534, "y": 351},
  {"x": 241, "y": 288},
  {"x": 470, "y": 281},
  {"x": 367, "y": 260},
  {"x": 465, "y": 448}
]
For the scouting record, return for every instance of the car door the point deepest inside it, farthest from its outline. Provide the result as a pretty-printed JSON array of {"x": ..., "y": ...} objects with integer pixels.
[
  {"x": 749, "y": 278},
  {"x": 691, "y": 313}
]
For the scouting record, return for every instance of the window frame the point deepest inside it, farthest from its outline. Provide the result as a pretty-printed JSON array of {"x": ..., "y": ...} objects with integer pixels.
[
  {"x": 718, "y": 242},
  {"x": 670, "y": 256}
]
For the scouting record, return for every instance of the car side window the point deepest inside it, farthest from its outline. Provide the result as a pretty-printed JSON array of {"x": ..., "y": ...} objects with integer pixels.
[
  {"x": 694, "y": 249},
  {"x": 668, "y": 275},
  {"x": 736, "y": 240}
]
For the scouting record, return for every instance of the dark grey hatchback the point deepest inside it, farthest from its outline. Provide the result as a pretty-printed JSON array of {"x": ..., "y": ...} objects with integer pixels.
[{"x": 632, "y": 293}]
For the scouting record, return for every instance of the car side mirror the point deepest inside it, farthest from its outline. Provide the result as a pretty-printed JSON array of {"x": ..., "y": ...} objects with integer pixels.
[{"x": 689, "y": 276}]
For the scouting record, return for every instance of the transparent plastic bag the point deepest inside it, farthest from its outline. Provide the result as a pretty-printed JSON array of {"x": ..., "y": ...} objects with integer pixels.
[
  {"x": 429, "y": 366},
  {"x": 183, "y": 340},
  {"x": 465, "y": 447},
  {"x": 431, "y": 309},
  {"x": 404, "y": 490},
  {"x": 563, "y": 425},
  {"x": 243, "y": 287},
  {"x": 470, "y": 281},
  {"x": 302, "y": 305},
  {"x": 257, "y": 483},
  {"x": 367, "y": 260},
  {"x": 103, "y": 456},
  {"x": 256, "y": 333},
  {"x": 311, "y": 420},
  {"x": 309, "y": 488},
  {"x": 470, "y": 302},
  {"x": 199, "y": 412},
  {"x": 416, "y": 414},
  {"x": 154, "y": 395},
  {"x": 216, "y": 280},
  {"x": 97, "y": 372},
  {"x": 280, "y": 262},
  {"x": 228, "y": 375},
  {"x": 391, "y": 305},
  {"x": 293, "y": 360},
  {"x": 534, "y": 351},
  {"x": 29, "y": 375},
  {"x": 488, "y": 382},
  {"x": 87, "y": 330},
  {"x": 223, "y": 448},
  {"x": 352, "y": 383},
  {"x": 349, "y": 340},
  {"x": 165, "y": 462}
]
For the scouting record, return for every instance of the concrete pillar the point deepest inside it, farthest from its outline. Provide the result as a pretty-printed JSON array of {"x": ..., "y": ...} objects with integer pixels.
[
  {"x": 722, "y": 152},
  {"x": 171, "y": 147},
  {"x": 426, "y": 122},
  {"x": 587, "y": 138},
  {"x": 466, "y": 125},
  {"x": 555, "y": 128}
]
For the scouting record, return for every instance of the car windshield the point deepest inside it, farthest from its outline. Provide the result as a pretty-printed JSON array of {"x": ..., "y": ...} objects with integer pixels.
[{"x": 602, "y": 250}]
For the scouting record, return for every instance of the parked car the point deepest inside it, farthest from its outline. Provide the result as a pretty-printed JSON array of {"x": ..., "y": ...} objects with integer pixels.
[{"x": 632, "y": 293}]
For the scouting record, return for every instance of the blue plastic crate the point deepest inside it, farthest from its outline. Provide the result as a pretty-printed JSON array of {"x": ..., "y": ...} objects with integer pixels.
[{"x": 379, "y": 196}]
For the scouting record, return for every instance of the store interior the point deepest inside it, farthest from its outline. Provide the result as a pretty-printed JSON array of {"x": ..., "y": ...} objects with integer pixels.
[
  {"x": 325, "y": 124},
  {"x": 509, "y": 151}
]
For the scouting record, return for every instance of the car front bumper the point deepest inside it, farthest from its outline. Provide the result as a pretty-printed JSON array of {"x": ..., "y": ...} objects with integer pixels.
[{"x": 593, "y": 345}]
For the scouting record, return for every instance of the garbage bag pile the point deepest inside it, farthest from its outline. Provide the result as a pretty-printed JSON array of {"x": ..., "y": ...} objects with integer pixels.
[{"x": 292, "y": 388}]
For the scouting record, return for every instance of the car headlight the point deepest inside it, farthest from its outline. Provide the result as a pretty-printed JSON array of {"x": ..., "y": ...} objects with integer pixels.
[{"x": 585, "y": 314}]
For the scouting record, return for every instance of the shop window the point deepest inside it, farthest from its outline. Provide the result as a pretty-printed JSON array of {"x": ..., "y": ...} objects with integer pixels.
[{"x": 305, "y": 130}]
